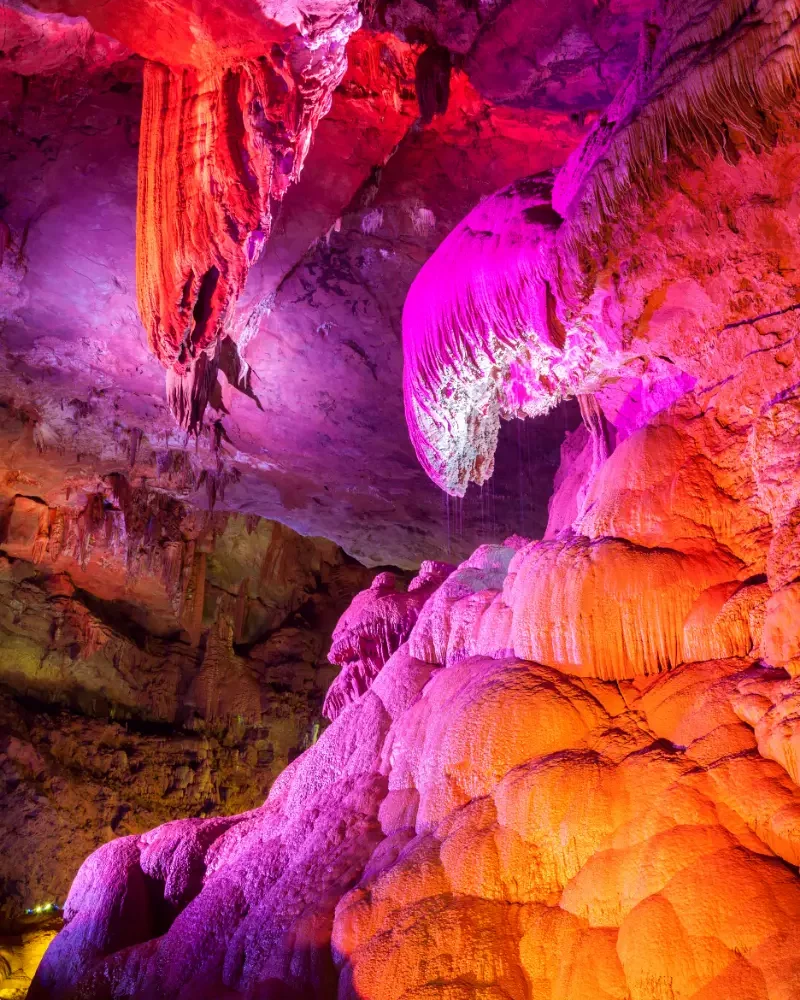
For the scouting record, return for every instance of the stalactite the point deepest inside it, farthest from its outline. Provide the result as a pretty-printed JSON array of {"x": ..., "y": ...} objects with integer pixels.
[
  {"x": 56, "y": 533},
  {"x": 601, "y": 434},
  {"x": 219, "y": 149},
  {"x": 41, "y": 542},
  {"x": 482, "y": 340},
  {"x": 500, "y": 321},
  {"x": 136, "y": 435},
  {"x": 172, "y": 572},
  {"x": 195, "y": 597}
]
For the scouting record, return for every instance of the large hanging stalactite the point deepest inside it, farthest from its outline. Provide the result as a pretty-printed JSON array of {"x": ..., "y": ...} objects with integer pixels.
[
  {"x": 482, "y": 340},
  {"x": 219, "y": 151},
  {"x": 511, "y": 329},
  {"x": 232, "y": 96}
]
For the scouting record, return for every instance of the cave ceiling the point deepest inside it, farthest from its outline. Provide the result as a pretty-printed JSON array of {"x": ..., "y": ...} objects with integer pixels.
[{"x": 288, "y": 402}]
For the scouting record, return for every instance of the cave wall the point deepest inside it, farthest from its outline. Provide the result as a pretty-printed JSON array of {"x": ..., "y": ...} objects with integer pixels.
[{"x": 154, "y": 662}]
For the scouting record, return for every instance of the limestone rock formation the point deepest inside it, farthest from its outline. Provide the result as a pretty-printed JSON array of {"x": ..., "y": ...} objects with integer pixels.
[
  {"x": 488, "y": 265},
  {"x": 481, "y": 828},
  {"x": 218, "y": 152},
  {"x": 538, "y": 307},
  {"x": 20, "y": 956},
  {"x": 375, "y": 625},
  {"x": 565, "y": 768}
]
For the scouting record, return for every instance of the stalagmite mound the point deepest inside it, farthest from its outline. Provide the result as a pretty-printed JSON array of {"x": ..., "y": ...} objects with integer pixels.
[
  {"x": 377, "y": 623},
  {"x": 485, "y": 827}
]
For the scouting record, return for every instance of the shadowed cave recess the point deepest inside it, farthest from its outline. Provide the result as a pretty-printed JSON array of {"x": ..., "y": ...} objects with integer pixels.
[{"x": 399, "y": 500}]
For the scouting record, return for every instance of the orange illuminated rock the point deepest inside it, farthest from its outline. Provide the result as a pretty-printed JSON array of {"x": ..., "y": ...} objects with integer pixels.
[
  {"x": 770, "y": 705},
  {"x": 219, "y": 149},
  {"x": 782, "y": 629},
  {"x": 678, "y": 483},
  {"x": 726, "y": 620},
  {"x": 607, "y": 608}
]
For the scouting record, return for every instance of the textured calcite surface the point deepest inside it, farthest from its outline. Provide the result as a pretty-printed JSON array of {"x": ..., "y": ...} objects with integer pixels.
[
  {"x": 375, "y": 625},
  {"x": 477, "y": 824}
]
